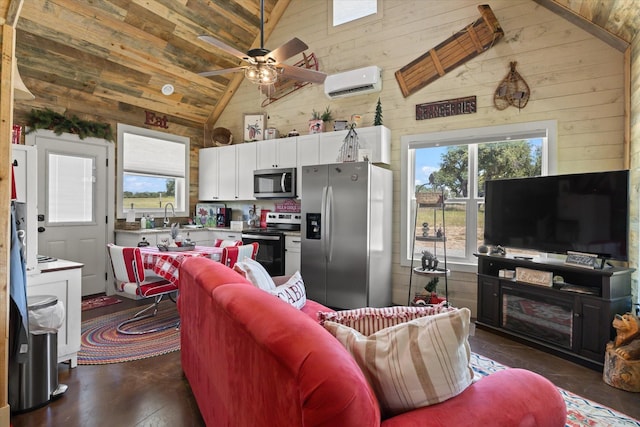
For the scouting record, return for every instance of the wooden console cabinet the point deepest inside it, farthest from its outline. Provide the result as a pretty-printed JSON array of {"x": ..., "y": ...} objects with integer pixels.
[{"x": 571, "y": 319}]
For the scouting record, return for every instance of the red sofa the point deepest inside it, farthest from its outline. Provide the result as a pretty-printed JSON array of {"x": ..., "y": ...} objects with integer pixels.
[{"x": 253, "y": 360}]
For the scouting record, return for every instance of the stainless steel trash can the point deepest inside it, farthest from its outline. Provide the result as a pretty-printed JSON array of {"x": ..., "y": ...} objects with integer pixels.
[{"x": 38, "y": 377}]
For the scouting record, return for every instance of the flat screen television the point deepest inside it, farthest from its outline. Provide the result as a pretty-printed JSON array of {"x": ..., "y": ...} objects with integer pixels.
[{"x": 587, "y": 212}]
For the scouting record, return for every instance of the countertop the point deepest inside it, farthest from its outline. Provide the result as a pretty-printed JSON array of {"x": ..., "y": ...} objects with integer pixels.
[
  {"x": 187, "y": 229},
  {"x": 60, "y": 264}
]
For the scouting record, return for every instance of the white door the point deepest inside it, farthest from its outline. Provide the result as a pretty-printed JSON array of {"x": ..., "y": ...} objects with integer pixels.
[{"x": 72, "y": 205}]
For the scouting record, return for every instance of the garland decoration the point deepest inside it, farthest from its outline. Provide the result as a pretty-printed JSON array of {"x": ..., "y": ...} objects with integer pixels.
[{"x": 58, "y": 123}]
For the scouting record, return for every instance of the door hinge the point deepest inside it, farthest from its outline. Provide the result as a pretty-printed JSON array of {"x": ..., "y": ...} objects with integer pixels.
[
  {"x": 106, "y": 161},
  {"x": 106, "y": 219},
  {"x": 106, "y": 276}
]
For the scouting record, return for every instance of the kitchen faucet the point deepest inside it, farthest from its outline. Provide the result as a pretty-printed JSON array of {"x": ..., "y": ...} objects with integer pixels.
[{"x": 165, "y": 222}]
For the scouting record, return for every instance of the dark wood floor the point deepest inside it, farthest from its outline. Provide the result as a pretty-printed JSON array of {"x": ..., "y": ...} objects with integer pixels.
[{"x": 153, "y": 392}]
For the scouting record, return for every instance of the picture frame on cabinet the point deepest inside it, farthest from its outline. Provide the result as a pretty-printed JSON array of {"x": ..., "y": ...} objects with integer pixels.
[{"x": 254, "y": 127}]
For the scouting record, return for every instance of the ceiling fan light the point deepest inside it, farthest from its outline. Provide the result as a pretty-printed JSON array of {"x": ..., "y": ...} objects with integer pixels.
[{"x": 261, "y": 74}]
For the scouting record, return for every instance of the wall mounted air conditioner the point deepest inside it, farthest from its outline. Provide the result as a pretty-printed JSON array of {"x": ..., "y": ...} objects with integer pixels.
[{"x": 354, "y": 82}]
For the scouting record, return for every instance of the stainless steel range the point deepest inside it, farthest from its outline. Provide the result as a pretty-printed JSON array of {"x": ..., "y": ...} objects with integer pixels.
[{"x": 271, "y": 240}]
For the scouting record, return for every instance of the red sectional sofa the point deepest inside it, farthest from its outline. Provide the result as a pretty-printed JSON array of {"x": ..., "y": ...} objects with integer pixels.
[{"x": 253, "y": 360}]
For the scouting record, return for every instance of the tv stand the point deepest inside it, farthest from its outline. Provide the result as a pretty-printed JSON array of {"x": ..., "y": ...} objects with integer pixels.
[{"x": 572, "y": 318}]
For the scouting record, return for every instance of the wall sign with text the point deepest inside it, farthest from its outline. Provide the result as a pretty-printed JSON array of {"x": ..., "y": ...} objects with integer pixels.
[{"x": 446, "y": 108}]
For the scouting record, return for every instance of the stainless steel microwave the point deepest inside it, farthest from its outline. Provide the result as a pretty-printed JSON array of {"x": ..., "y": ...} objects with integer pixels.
[{"x": 274, "y": 183}]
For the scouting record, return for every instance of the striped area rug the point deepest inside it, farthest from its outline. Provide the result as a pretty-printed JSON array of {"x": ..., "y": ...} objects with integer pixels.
[
  {"x": 101, "y": 344},
  {"x": 581, "y": 412}
]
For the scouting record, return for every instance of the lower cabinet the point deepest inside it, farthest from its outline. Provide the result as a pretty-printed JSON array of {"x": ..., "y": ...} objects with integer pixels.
[
  {"x": 292, "y": 254},
  {"x": 62, "y": 279},
  {"x": 571, "y": 317}
]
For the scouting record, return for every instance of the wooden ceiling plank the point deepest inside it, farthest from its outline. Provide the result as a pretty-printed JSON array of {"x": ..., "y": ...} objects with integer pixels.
[
  {"x": 578, "y": 20},
  {"x": 134, "y": 59}
]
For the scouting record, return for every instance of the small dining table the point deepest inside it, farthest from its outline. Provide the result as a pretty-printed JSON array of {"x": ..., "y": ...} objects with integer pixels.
[{"x": 166, "y": 264}]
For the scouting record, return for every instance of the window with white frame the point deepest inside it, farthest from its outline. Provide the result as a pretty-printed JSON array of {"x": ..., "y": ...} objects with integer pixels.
[
  {"x": 455, "y": 164},
  {"x": 344, "y": 11},
  {"x": 153, "y": 171}
]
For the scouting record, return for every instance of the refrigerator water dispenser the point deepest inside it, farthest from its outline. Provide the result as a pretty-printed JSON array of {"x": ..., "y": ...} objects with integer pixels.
[{"x": 313, "y": 226}]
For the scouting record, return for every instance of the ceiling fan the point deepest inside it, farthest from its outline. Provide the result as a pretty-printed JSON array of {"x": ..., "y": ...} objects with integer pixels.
[{"x": 264, "y": 65}]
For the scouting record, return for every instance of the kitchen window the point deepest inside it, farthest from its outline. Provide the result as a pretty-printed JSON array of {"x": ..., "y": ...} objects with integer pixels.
[
  {"x": 153, "y": 171},
  {"x": 458, "y": 163}
]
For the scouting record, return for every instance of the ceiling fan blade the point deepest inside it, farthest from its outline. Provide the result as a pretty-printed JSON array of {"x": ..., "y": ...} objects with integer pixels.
[
  {"x": 287, "y": 50},
  {"x": 302, "y": 74},
  {"x": 218, "y": 72},
  {"x": 220, "y": 45}
]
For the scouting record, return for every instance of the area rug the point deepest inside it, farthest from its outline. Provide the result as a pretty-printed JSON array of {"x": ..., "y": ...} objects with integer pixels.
[
  {"x": 581, "y": 412},
  {"x": 96, "y": 302},
  {"x": 101, "y": 344}
]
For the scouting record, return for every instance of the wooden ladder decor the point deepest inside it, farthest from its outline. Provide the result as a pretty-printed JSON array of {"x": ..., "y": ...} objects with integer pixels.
[{"x": 456, "y": 50}]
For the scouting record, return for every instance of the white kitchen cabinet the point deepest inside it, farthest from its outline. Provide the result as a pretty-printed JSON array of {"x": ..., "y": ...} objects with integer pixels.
[
  {"x": 246, "y": 164},
  {"x": 308, "y": 147},
  {"x": 226, "y": 173},
  {"x": 330, "y": 143},
  {"x": 201, "y": 237},
  {"x": 25, "y": 168},
  {"x": 292, "y": 254},
  {"x": 374, "y": 141},
  {"x": 208, "y": 186},
  {"x": 62, "y": 279},
  {"x": 276, "y": 153}
]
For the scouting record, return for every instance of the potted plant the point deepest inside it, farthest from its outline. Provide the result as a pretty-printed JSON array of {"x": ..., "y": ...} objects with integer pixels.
[{"x": 318, "y": 120}]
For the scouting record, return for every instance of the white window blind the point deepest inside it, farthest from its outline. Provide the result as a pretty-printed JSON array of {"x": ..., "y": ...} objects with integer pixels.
[{"x": 152, "y": 156}]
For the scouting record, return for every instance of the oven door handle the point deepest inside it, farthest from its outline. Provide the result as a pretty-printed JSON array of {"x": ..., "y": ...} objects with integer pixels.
[{"x": 260, "y": 237}]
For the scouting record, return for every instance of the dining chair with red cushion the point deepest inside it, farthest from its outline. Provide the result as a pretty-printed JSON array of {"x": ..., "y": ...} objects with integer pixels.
[
  {"x": 223, "y": 243},
  {"x": 128, "y": 271},
  {"x": 232, "y": 254}
]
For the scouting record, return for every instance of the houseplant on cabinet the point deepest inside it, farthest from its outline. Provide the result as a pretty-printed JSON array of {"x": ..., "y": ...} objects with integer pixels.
[{"x": 318, "y": 120}]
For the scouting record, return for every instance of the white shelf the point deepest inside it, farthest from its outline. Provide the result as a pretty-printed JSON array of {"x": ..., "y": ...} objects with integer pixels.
[{"x": 436, "y": 272}]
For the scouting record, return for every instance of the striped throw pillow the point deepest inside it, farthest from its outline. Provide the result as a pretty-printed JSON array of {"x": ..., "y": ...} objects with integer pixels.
[
  {"x": 369, "y": 320},
  {"x": 414, "y": 364}
]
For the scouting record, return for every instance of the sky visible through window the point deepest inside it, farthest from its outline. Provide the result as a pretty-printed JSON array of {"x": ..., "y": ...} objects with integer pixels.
[
  {"x": 428, "y": 160},
  {"x": 143, "y": 183},
  {"x": 349, "y": 10}
]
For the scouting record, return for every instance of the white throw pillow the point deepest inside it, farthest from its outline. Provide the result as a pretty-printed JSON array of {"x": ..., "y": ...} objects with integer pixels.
[
  {"x": 292, "y": 291},
  {"x": 254, "y": 272},
  {"x": 414, "y": 364}
]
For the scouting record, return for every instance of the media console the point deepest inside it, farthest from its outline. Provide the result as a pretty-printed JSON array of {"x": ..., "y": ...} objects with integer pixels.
[{"x": 571, "y": 319}]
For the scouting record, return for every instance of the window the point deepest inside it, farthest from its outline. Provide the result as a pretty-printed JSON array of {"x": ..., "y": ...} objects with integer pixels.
[
  {"x": 153, "y": 171},
  {"x": 457, "y": 163},
  {"x": 344, "y": 11}
]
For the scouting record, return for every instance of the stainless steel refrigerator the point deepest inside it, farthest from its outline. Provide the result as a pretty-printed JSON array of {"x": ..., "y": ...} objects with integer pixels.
[{"x": 346, "y": 234}]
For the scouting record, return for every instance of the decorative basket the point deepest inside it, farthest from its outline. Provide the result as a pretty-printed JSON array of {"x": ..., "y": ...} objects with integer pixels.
[
  {"x": 221, "y": 136},
  {"x": 429, "y": 198}
]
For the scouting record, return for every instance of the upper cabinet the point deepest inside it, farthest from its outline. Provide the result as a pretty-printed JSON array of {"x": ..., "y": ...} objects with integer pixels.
[
  {"x": 374, "y": 143},
  {"x": 226, "y": 173},
  {"x": 276, "y": 153}
]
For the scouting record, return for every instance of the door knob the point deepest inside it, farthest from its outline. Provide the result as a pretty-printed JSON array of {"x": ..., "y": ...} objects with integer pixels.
[{"x": 41, "y": 229}]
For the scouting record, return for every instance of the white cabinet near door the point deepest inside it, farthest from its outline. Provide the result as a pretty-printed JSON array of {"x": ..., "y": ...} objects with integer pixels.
[
  {"x": 276, "y": 153},
  {"x": 292, "y": 254},
  {"x": 226, "y": 173},
  {"x": 208, "y": 174},
  {"x": 307, "y": 153},
  {"x": 374, "y": 143},
  {"x": 25, "y": 168},
  {"x": 62, "y": 279}
]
